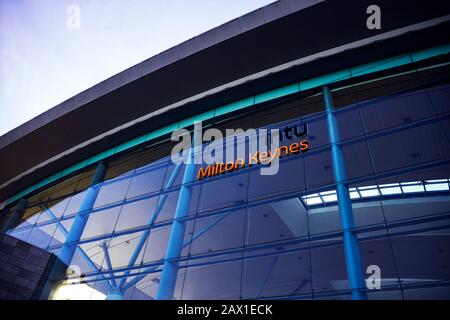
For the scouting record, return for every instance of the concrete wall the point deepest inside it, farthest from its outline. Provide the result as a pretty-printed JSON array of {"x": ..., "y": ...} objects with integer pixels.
[{"x": 25, "y": 270}]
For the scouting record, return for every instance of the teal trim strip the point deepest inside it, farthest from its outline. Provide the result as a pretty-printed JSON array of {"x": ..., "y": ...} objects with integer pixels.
[
  {"x": 130, "y": 144},
  {"x": 21, "y": 194},
  {"x": 430, "y": 53},
  {"x": 325, "y": 79},
  {"x": 48, "y": 180},
  {"x": 277, "y": 93},
  {"x": 197, "y": 118},
  {"x": 235, "y": 106},
  {"x": 162, "y": 131},
  {"x": 319, "y": 81},
  {"x": 380, "y": 65},
  {"x": 101, "y": 156},
  {"x": 75, "y": 167}
]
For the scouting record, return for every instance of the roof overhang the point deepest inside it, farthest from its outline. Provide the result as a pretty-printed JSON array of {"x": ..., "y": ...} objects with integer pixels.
[{"x": 245, "y": 56}]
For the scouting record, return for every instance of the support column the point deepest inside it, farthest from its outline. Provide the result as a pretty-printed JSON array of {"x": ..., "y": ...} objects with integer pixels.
[
  {"x": 14, "y": 218},
  {"x": 70, "y": 245},
  {"x": 114, "y": 292},
  {"x": 176, "y": 239},
  {"x": 74, "y": 234},
  {"x": 161, "y": 201},
  {"x": 350, "y": 240}
]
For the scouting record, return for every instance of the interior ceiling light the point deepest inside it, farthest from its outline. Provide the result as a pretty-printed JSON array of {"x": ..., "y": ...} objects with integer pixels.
[{"x": 391, "y": 189}]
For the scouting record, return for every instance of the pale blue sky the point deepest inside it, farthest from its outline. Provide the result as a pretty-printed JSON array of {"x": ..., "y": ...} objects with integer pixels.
[{"x": 43, "y": 62}]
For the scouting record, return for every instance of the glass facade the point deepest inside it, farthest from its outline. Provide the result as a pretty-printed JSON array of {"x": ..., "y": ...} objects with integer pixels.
[{"x": 251, "y": 236}]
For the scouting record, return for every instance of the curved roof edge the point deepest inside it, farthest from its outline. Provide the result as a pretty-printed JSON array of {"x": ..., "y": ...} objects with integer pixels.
[
  {"x": 270, "y": 48},
  {"x": 200, "y": 42}
]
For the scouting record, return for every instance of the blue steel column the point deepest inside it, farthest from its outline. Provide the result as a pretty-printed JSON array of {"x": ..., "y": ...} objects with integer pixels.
[
  {"x": 176, "y": 239},
  {"x": 350, "y": 240},
  {"x": 70, "y": 245},
  {"x": 16, "y": 215}
]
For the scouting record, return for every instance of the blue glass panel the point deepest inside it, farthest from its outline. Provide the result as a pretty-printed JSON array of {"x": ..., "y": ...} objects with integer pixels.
[
  {"x": 147, "y": 288},
  {"x": 395, "y": 111},
  {"x": 277, "y": 221},
  {"x": 289, "y": 178},
  {"x": 75, "y": 203},
  {"x": 277, "y": 275},
  {"x": 41, "y": 236},
  {"x": 318, "y": 169},
  {"x": 427, "y": 293},
  {"x": 409, "y": 147},
  {"x": 350, "y": 124},
  {"x": 422, "y": 257},
  {"x": 218, "y": 281},
  {"x": 121, "y": 249},
  {"x": 219, "y": 232},
  {"x": 318, "y": 132},
  {"x": 170, "y": 204},
  {"x": 360, "y": 165},
  {"x": 324, "y": 278},
  {"x": 157, "y": 242},
  {"x": 112, "y": 191},
  {"x": 145, "y": 182},
  {"x": 53, "y": 211},
  {"x": 101, "y": 223},
  {"x": 21, "y": 234},
  {"x": 236, "y": 186},
  {"x": 440, "y": 98},
  {"x": 60, "y": 234},
  {"x": 136, "y": 214}
]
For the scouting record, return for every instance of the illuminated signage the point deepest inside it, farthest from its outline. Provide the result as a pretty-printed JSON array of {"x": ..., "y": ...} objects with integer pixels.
[
  {"x": 265, "y": 157},
  {"x": 288, "y": 133}
]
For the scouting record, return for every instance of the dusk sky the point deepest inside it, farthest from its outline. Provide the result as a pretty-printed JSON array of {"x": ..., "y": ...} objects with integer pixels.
[{"x": 46, "y": 57}]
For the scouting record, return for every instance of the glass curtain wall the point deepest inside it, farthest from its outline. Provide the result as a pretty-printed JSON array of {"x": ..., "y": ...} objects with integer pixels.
[{"x": 250, "y": 236}]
